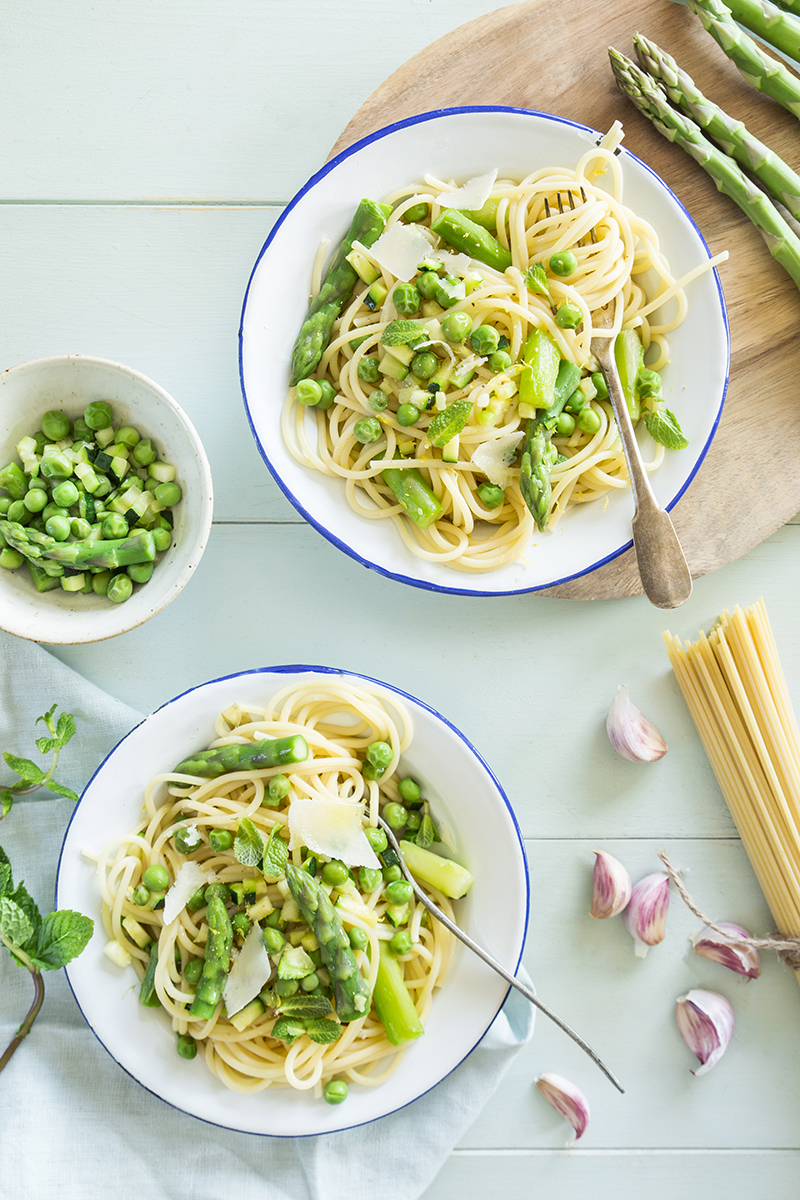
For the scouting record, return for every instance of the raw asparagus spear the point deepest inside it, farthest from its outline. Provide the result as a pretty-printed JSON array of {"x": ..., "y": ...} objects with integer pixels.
[
  {"x": 538, "y": 452},
  {"x": 368, "y": 224},
  {"x": 766, "y": 74},
  {"x": 350, "y": 988},
  {"x": 250, "y": 756},
  {"x": 217, "y": 961},
  {"x": 121, "y": 552},
  {"x": 650, "y": 99},
  {"x": 774, "y": 26},
  {"x": 732, "y": 136}
]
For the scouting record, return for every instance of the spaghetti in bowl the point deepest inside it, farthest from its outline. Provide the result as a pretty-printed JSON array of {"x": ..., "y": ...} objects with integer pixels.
[
  {"x": 478, "y": 547},
  {"x": 474, "y": 820}
]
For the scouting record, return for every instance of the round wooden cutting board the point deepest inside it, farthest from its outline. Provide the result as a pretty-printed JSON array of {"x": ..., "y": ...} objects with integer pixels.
[{"x": 551, "y": 56}]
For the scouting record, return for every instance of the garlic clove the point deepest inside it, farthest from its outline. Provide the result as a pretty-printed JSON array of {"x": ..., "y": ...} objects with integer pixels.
[
  {"x": 630, "y": 733},
  {"x": 611, "y": 886},
  {"x": 705, "y": 1022},
  {"x": 566, "y": 1099},
  {"x": 744, "y": 960},
  {"x": 646, "y": 915}
]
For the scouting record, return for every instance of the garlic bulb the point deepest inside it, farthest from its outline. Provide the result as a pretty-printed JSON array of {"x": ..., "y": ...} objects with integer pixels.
[
  {"x": 630, "y": 733},
  {"x": 646, "y": 915},
  {"x": 611, "y": 886},
  {"x": 705, "y": 1022},
  {"x": 566, "y": 1099},
  {"x": 744, "y": 960}
]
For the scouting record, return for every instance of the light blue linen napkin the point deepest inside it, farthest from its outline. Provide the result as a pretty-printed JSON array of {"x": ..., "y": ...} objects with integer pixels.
[{"x": 73, "y": 1123}]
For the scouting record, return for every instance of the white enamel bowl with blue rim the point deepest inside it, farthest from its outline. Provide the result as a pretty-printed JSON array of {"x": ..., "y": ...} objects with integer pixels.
[
  {"x": 70, "y": 382},
  {"x": 461, "y": 143},
  {"x": 465, "y": 798}
]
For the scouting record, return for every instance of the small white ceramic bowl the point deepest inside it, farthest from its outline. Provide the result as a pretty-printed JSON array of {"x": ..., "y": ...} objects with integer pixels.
[
  {"x": 70, "y": 382},
  {"x": 458, "y": 144},
  {"x": 465, "y": 798}
]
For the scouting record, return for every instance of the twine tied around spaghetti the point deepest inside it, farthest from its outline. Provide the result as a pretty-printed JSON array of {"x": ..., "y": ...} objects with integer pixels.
[{"x": 788, "y": 948}]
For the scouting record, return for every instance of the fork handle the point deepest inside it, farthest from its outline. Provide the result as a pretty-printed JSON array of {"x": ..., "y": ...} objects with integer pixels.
[{"x": 663, "y": 569}]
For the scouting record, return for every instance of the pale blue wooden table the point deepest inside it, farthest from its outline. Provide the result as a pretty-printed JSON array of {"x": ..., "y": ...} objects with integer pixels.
[{"x": 146, "y": 151}]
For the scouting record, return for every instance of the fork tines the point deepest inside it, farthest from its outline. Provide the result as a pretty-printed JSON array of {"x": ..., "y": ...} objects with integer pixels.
[{"x": 572, "y": 205}]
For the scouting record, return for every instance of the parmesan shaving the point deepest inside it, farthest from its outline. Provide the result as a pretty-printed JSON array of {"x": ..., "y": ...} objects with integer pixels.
[
  {"x": 473, "y": 195},
  {"x": 332, "y": 828},
  {"x": 250, "y": 971},
  {"x": 494, "y": 458},
  {"x": 400, "y": 249},
  {"x": 189, "y": 878}
]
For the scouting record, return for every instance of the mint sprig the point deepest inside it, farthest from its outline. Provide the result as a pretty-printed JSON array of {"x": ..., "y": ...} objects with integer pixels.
[
  {"x": 32, "y": 776},
  {"x": 35, "y": 942},
  {"x": 663, "y": 427}
]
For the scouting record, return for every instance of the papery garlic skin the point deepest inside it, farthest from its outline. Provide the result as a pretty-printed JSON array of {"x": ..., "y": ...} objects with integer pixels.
[
  {"x": 611, "y": 886},
  {"x": 630, "y": 733},
  {"x": 744, "y": 960},
  {"x": 705, "y": 1022},
  {"x": 646, "y": 915},
  {"x": 566, "y": 1099}
]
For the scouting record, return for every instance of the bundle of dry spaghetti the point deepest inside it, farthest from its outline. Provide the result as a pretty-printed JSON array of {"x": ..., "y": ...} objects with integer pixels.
[{"x": 735, "y": 689}]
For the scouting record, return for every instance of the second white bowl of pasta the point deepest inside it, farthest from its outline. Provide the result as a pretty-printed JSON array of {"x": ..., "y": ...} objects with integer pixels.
[
  {"x": 255, "y": 951},
  {"x": 451, "y": 319}
]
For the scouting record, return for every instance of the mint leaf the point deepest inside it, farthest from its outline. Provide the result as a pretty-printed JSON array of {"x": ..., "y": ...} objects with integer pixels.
[
  {"x": 60, "y": 789},
  {"x": 21, "y": 896},
  {"x": 276, "y": 855},
  {"x": 65, "y": 729},
  {"x": 323, "y": 1031},
  {"x": 287, "y": 1030},
  {"x": 45, "y": 745},
  {"x": 6, "y": 800},
  {"x": 248, "y": 845},
  {"x": 47, "y": 719},
  {"x": 15, "y": 925},
  {"x": 663, "y": 428},
  {"x": 28, "y": 771},
  {"x": 6, "y": 881},
  {"x": 61, "y": 937},
  {"x": 536, "y": 280},
  {"x": 309, "y": 1007},
  {"x": 426, "y": 834},
  {"x": 404, "y": 333}
]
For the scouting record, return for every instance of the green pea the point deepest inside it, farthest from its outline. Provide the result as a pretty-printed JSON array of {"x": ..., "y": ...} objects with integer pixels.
[
  {"x": 308, "y": 391},
  {"x": 377, "y": 838},
  {"x": 220, "y": 840},
  {"x": 358, "y": 939},
  {"x": 55, "y": 425},
  {"x": 399, "y": 892},
  {"x": 410, "y": 790},
  {"x": 168, "y": 494},
  {"x": 141, "y": 895},
  {"x": 576, "y": 402},
  {"x": 328, "y": 395},
  {"x": 5, "y": 504},
  {"x": 186, "y": 840},
  {"x": 241, "y": 923},
  {"x": 35, "y": 500},
  {"x": 424, "y": 364},
  {"x": 392, "y": 874},
  {"x": 197, "y": 900},
  {"x": 401, "y": 942},
  {"x": 369, "y": 369},
  {"x": 310, "y": 982},
  {"x": 416, "y": 212},
  {"x": 156, "y": 877},
  {"x": 273, "y": 939},
  {"x": 446, "y": 293},
  {"x": 648, "y": 383},
  {"x": 563, "y": 263},
  {"x": 414, "y": 821},
  {"x": 65, "y": 494},
  {"x": 368, "y": 429},
  {"x": 81, "y": 431},
  {"x": 500, "y": 360},
  {"x": 406, "y": 299},
  {"x": 408, "y": 414},
  {"x": 54, "y": 510},
  {"x": 369, "y": 878},
  {"x": 98, "y": 414},
  {"x": 18, "y": 512},
  {"x": 335, "y": 1092},
  {"x": 55, "y": 466},
  {"x": 186, "y": 1046},
  {"x": 193, "y": 970},
  {"x": 456, "y": 326},
  {"x": 335, "y": 872},
  {"x": 601, "y": 387},
  {"x": 80, "y": 528},
  {"x": 217, "y": 891},
  {"x": 278, "y": 788},
  {"x": 162, "y": 539},
  {"x": 380, "y": 754},
  {"x": 114, "y": 526},
  {"x": 58, "y": 528},
  {"x": 378, "y": 400},
  {"x": 119, "y": 589},
  {"x": 565, "y": 425},
  {"x": 100, "y": 582},
  {"x": 484, "y": 340},
  {"x": 126, "y": 435},
  {"x": 427, "y": 284},
  {"x": 11, "y": 559},
  {"x": 568, "y": 316},
  {"x": 286, "y": 987},
  {"x": 144, "y": 453},
  {"x": 589, "y": 420},
  {"x": 395, "y": 815},
  {"x": 491, "y": 495}
]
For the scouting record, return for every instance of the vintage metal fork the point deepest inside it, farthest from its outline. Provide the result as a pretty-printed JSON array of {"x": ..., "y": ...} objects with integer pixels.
[{"x": 487, "y": 958}]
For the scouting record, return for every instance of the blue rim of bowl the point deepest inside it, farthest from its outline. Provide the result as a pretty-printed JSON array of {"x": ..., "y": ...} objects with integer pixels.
[
  {"x": 437, "y": 114},
  {"x": 295, "y": 670}
]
